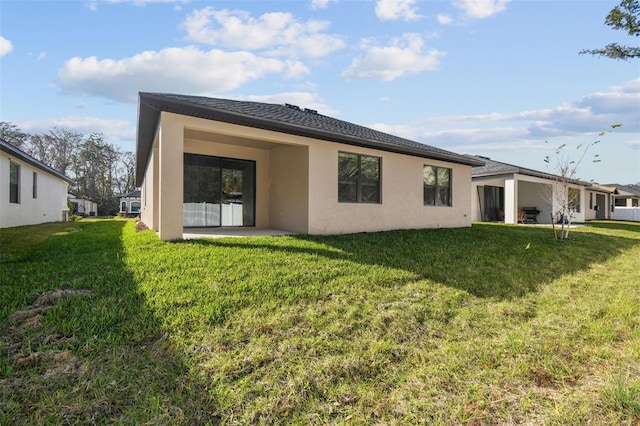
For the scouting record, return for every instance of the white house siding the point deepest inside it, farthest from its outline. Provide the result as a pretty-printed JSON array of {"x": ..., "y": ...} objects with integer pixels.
[
  {"x": 50, "y": 204},
  {"x": 296, "y": 181}
]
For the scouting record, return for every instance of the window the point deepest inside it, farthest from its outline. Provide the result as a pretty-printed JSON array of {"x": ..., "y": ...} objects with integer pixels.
[
  {"x": 35, "y": 185},
  {"x": 437, "y": 186},
  {"x": 358, "y": 178},
  {"x": 591, "y": 200},
  {"x": 135, "y": 207},
  {"x": 14, "y": 183},
  {"x": 574, "y": 199}
]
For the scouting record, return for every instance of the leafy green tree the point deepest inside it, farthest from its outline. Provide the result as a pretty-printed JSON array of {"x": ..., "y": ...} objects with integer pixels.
[
  {"x": 94, "y": 166},
  {"x": 626, "y": 17}
]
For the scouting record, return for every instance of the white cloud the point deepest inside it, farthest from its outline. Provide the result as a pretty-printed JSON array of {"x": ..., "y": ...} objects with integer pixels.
[
  {"x": 444, "y": 19},
  {"x": 391, "y": 10},
  {"x": 405, "y": 55},
  {"x": 5, "y": 46},
  {"x": 633, "y": 144},
  {"x": 481, "y": 9},
  {"x": 593, "y": 112},
  {"x": 276, "y": 33},
  {"x": 181, "y": 70},
  {"x": 321, "y": 4}
]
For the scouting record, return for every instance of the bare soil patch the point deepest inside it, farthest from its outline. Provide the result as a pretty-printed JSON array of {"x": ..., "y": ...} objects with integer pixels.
[{"x": 28, "y": 344}]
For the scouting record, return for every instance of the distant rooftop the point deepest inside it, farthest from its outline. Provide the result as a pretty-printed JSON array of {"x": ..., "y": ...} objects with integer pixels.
[{"x": 494, "y": 168}]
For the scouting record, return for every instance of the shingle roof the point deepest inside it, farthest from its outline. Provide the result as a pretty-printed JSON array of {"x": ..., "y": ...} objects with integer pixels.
[
  {"x": 496, "y": 168},
  {"x": 20, "y": 154},
  {"x": 276, "y": 117},
  {"x": 631, "y": 190},
  {"x": 133, "y": 194}
]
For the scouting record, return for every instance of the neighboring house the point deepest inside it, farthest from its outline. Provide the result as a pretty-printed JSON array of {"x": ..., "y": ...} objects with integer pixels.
[
  {"x": 83, "y": 206},
  {"x": 511, "y": 194},
  {"x": 31, "y": 192},
  {"x": 627, "y": 202},
  {"x": 204, "y": 162},
  {"x": 130, "y": 203},
  {"x": 627, "y": 195}
]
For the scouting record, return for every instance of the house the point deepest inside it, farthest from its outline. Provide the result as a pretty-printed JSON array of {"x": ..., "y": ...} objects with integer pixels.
[
  {"x": 627, "y": 202},
  {"x": 627, "y": 195},
  {"x": 130, "y": 203},
  {"x": 31, "y": 192},
  {"x": 206, "y": 162},
  {"x": 511, "y": 194},
  {"x": 83, "y": 206}
]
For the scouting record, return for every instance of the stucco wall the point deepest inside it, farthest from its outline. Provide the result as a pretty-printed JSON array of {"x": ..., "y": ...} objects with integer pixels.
[
  {"x": 402, "y": 205},
  {"x": 51, "y": 198},
  {"x": 289, "y": 195},
  {"x": 147, "y": 190}
]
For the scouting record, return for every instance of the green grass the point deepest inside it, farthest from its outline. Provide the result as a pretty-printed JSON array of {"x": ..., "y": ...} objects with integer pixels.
[{"x": 485, "y": 325}]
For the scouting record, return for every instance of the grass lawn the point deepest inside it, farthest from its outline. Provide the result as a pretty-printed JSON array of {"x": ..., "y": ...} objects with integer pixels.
[{"x": 492, "y": 324}]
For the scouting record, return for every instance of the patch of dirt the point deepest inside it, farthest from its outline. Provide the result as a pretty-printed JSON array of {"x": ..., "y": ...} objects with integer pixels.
[
  {"x": 28, "y": 345},
  {"x": 140, "y": 226}
]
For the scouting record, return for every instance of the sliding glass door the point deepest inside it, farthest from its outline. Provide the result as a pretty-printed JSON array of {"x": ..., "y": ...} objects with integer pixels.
[
  {"x": 493, "y": 204},
  {"x": 218, "y": 191}
]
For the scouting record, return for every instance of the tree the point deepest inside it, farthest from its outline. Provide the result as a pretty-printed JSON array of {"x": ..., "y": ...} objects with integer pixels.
[
  {"x": 126, "y": 173},
  {"x": 564, "y": 194},
  {"x": 625, "y": 16},
  {"x": 11, "y": 134}
]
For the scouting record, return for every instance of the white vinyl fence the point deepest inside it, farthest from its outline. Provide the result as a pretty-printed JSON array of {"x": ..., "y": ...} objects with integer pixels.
[{"x": 626, "y": 213}]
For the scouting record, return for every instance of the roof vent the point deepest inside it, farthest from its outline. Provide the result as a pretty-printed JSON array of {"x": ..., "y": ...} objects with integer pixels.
[
  {"x": 296, "y": 107},
  {"x": 311, "y": 111},
  {"x": 483, "y": 157}
]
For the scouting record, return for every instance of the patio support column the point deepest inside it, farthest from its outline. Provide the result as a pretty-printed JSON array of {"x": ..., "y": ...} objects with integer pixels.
[
  {"x": 170, "y": 182},
  {"x": 511, "y": 201}
]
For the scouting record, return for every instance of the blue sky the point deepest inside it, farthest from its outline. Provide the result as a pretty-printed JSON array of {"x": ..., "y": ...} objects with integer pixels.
[{"x": 497, "y": 78}]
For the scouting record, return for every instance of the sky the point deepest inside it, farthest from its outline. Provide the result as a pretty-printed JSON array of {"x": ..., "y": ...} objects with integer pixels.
[{"x": 498, "y": 78}]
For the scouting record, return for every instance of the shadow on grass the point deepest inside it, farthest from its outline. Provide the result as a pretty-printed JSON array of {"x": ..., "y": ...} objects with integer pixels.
[
  {"x": 486, "y": 260},
  {"x": 98, "y": 356}
]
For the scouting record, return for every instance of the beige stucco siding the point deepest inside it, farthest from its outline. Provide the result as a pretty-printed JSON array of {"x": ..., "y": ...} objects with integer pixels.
[
  {"x": 402, "y": 205},
  {"x": 289, "y": 191},
  {"x": 50, "y": 201}
]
